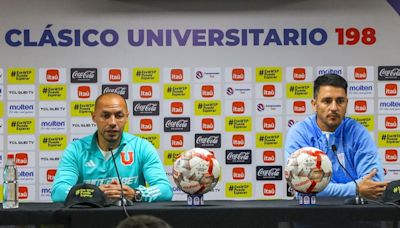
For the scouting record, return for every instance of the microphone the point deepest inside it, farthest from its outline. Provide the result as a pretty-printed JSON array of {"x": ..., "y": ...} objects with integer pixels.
[
  {"x": 357, "y": 200},
  {"x": 123, "y": 201}
]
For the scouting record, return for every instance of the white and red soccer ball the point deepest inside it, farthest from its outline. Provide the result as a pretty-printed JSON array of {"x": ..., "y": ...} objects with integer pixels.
[
  {"x": 196, "y": 171},
  {"x": 308, "y": 170}
]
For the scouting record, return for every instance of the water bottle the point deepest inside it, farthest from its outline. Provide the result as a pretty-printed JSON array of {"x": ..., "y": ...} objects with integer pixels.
[{"x": 10, "y": 184}]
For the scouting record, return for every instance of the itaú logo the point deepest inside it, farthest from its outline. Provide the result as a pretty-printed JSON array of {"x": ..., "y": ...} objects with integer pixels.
[
  {"x": 176, "y": 107},
  {"x": 207, "y": 124},
  {"x": 391, "y": 155},
  {"x": 238, "y": 74},
  {"x": 83, "y": 91},
  {"x": 269, "y": 90},
  {"x": 238, "y": 107},
  {"x": 146, "y": 91},
  {"x": 176, "y": 140},
  {"x": 360, "y": 73},
  {"x": 238, "y": 173},
  {"x": 146, "y": 124},
  {"x": 269, "y": 190},
  {"x": 114, "y": 75},
  {"x": 299, "y": 107},
  {"x": 238, "y": 140},
  {"x": 50, "y": 174},
  {"x": 391, "y": 89},
  {"x": 269, "y": 123},
  {"x": 21, "y": 159},
  {"x": 23, "y": 192},
  {"x": 299, "y": 74},
  {"x": 176, "y": 75},
  {"x": 360, "y": 106},
  {"x": 52, "y": 75},
  {"x": 268, "y": 156},
  {"x": 207, "y": 91},
  {"x": 391, "y": 122}
]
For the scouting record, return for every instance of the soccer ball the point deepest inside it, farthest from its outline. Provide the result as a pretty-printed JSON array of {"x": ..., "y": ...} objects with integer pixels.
[
  {"x": 308, "y": 170},
  {"x": 196, "y": 171}
]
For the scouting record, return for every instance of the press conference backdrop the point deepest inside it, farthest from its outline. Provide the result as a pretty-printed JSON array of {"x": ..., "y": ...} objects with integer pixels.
[{"x": 230, "y": 76}]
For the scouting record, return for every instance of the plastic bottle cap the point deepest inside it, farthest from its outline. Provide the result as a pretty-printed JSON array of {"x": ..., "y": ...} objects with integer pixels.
[{"x": 10, "y": 156}]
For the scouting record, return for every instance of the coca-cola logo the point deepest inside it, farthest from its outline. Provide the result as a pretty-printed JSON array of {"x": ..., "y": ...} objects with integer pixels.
[
  {"x": 83, "y": 75},
  {"x": 238, "y": 156},
  {"x": 387, "y": 73},
  {"x": 121, "y": 90},
  {"x": 269, "y": 172},
  {"x": 176, "y": 124},
  {"x": 146, "y": 108},
  {"x": 207, "y": 140}
]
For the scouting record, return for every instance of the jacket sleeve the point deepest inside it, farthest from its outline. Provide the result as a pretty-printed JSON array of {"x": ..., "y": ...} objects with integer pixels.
[
  {"x": 66, "y": 176},
  {"x": 159, "y": 188}
]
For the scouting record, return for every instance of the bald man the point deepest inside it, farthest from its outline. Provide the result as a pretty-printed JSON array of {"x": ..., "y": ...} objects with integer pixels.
[{"x": 89, "y": 160}]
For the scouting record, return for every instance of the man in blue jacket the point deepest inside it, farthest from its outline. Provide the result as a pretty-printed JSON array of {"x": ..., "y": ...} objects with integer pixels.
[
  {"x": 330, "y": 131},
  {"x": 89, "y": 160}
]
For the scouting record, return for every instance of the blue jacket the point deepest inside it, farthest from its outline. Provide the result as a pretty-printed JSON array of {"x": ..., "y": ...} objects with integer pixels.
[
  {"x": 354, "y": 144},
  {"x": 137, "y": 161}
]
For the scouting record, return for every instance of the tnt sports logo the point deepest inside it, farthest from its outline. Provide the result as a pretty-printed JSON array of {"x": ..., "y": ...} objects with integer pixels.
[
  {"x": 146, "y": 91},
  {"x": 238, "y": 74},
  {"x": 238, "y": 107},
  {"x": 23, "y": 192},
  {"x": 127, "y": 158},
  {"x": 391, "y": 89},
  {"x": 238, "y": 173},
  {"x": 391, "y": 155},
  {"x": 299, "y": 74},
  {"x": 176, "y": 107},
  {"x": 207, "y": 124},
  {"x": 176, "y": 141},
  {"x": 176, "y": 75},
  {"x": 50, "y": 174},
  {"x": 391, "y": 122},
  {"x": 207, "y": 91},
  {"x": 21, "y": 159},
  {"x": 269, "y": 123},
  {"x": 269, "y": 156},
  {"x": 115, "y": 75},
  {"x": 360, "y": 73},
  {"x": 269, "y": 90},
  {"x": 84, "y": 92},
  {"x": 360, "y": 106},
  {"x": 299, "y": 107},
  {"x": 238, "y": 140},
  {"x": 52, "y": 75},
  {"x": 269, "y": 189},
  {"x": 146, "y": 124}
]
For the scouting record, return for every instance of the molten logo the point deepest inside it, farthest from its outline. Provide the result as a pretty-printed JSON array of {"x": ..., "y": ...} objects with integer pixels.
[
  {"x": 299, "y": 74},
  {"x": 50, "y": 174},
  {"x": 269, "y": 190},
  {"x": 391, "y": 89},
  {"x": 114, "y": 75},
  {"x": 360, "y": 73},
  {"x": 207, "y": 91},
  {"x": 391, "y": 155},
  {"x": 84, "y": 91},
  {"x": 238, "y": 140},
  {"x": 360, "y": 106},
  {"x": 176, "y": 107},
  {"x": 176, "y": 75},
  {"x": 391, "y": 122},
  {"x": 238, "y": 173},
  {"x": 269, "y": 90},
  {"x": 126, "y": 158},
  {"x": 269, "y": 156},
  {"x": 238, "y": 74},
  {"x": 176, "y": 140},
  {"x": 146, "y": 124},
  {"x": 269, "y": 123},
  {"x": 23, "y": 192},
  {"x": 238, "y": 107},
  {"x": 52, "y": 75},
  {"x": 207, "y": 124},
  {"x": 299, "y": 107},
  {"x": 21, "y": 159},
  {"x": 146, "y": 91}
]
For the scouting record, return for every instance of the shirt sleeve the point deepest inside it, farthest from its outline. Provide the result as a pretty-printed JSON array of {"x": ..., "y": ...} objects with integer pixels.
[
  {"x": 159, "y": 188},
  {"x": 66, "y": 176}
]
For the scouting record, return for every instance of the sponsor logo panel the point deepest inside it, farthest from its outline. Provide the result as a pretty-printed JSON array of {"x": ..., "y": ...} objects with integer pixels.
[
  {"x": 21, "y": 75},
  {"x": 1, "y": 75},
  {"x": 269, "y": 173},
  {"x": 360, "y": 90},
  {"x": 238, "y": 173},
  {"x": 366, "y": 120},
  {"x": 238, "y": 140},
  {"x": 83, "y": 75},
  {"x": 238, "y": 157},
  {"x": 207, "y": 107},
  {"x": 269, "y": 123},
  {"x": 84, "y": 92},
  {"x": 21, "y": 126},
  {"x": 321, "y": 70},
  {"x": 49, "y": 158},
  {"x": 152, "y": 138},
  {"x": 389, "y": 155},
  {"x": 269, "y": 140},
  {"x": 207, "y": 124},
  {"x": 26, "y": 175},
  {"x": 52, "y": 75},
  {"x": 207, "y": 140},
  {"x": 52, "y": 142},
  {"x": 238, "y": 74},
  {"x": 388, "y": 139},
  {"x": 47, "y": 175},
  {"x": 238, "y": 190},
  {"x": 52, "y": 92},
  {"x": 389, "y": 73},
  {"x": 1, "y": 92},
  {"x": 82, "y": 125},
  {"x": 122, "y": 90},
  {"x": 21, "y": 92},
  {"x": 389, "y": 122},
  {"x": 236, "y": 107},
  {"x": 269, "y": 189},
  {"x": 182, "y": 107},
  {"x": 388, "y": 106},
  {"x": 299, "y": 74},
  {"x": 177, "y": 124},
  {"x": 238, "y": 123},
  {"x": 21, "y": 142},
  {"x": 52, "y": 125},
  {"x": 298, "y": 107},
  {"x": 26, "y": 192},
  {"x": 392, "y": 172},
  {"x": 207, "y": 75},
  {"x": 360, "y": 73},
  {"x": 176, "y": 75},
  {"x": 52, "y": 109},
  {"x": 207, "y": 91},
  {"x": 170, "y": 156},
  {"x": 82, "y": 108},
  {"x": 146, "y": 108},
  {"x": 270, "y": 107},
  {"x": 360, "y": 106},
  {"x": 299, "y": 90},
  {"x": 146, "y": 75},
  {"x": 268, "y": 91},
  {"x": 45, "y": 193},
  {"x": 388, "y": 89},
  {"x": 238, "y": 91},
  {"x": 115, "y": 75},
  {"x": 269, "y": 74},
  {"x": 21, "y": 109},
  {"x": 146, "y": 124},
  {"x": 177, "y": 91},
  {"x": 291, "y": 120}
]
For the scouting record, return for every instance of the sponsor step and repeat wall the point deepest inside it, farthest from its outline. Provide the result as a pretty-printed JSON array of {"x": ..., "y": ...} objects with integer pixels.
[{"x": 239, "y": 110}]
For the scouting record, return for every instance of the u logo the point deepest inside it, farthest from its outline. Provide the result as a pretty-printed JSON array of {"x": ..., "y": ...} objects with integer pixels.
[{"x": 127, "y": 158}]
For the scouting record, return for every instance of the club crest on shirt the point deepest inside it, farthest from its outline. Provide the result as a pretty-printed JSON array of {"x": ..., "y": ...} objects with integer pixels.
[{"x": 127, "y": 158}]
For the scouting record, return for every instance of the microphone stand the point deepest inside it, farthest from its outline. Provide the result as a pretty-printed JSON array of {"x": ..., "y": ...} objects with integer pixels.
[
  {"x": 123, "y": 201},
  {"x": 357, "y": 200}
]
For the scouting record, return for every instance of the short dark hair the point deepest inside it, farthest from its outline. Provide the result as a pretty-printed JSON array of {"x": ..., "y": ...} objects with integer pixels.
[
  {"x": 334, "y": 80},
  {"x": 143, "y": 221}
]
